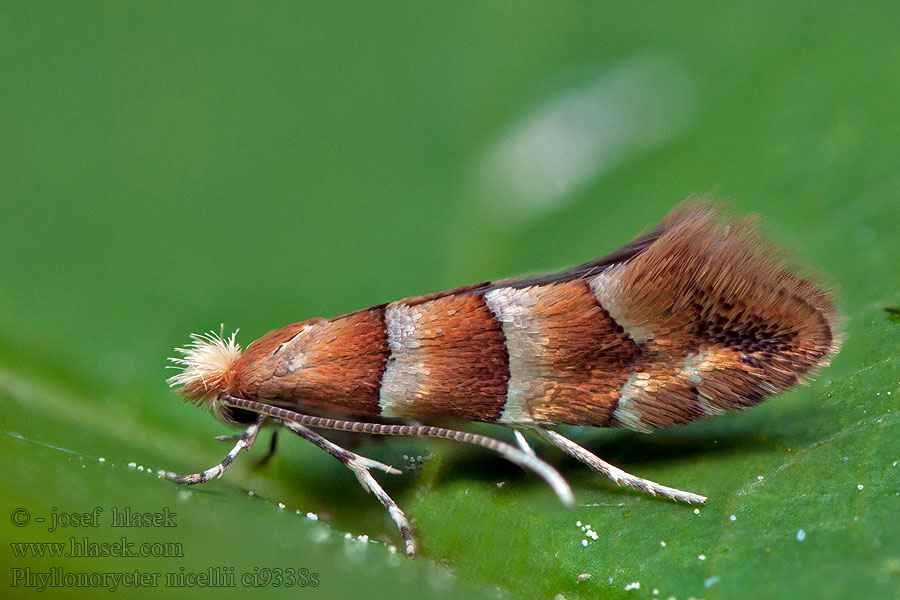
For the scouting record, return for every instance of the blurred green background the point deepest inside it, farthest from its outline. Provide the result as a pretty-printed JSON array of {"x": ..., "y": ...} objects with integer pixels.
[{"x": 167, "y": 167}]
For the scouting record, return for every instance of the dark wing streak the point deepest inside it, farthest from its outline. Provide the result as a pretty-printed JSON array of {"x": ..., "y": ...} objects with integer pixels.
[
  {"x": 583, "y": 271},
  {"x": 588, "y": 269}
]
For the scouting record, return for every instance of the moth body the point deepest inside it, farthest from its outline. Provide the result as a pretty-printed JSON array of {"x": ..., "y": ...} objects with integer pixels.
[
  {"x": 696, "y": 317},
  {"x": 691, "y": 319}
]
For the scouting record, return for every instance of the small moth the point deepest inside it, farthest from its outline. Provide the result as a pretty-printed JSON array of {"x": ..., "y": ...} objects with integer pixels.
[{"x": 696, "y": 317}]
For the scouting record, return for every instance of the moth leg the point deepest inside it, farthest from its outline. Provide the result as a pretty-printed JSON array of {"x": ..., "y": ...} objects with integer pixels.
[
  {"x": 616, "y": 474},
  {"x": 510, "y": 453},
  {"x": 360, "y": 466},
  {"x": 523, "y": 443},
  {"x": 273, "y": 446},
  {"x": 245, "y": 442}
]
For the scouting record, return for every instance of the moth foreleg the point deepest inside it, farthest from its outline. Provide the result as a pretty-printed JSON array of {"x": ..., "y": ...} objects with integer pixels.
[
  {"x": 360, "y": 466},
  {"x": 245, "y": 442},
  {"x": 616, "y": 474}
]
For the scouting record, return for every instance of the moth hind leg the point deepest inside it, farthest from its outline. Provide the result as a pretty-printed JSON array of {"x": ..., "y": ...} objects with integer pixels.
[
  {"x": 270, "y": 452},
  {"x": 619, "y": 476}
]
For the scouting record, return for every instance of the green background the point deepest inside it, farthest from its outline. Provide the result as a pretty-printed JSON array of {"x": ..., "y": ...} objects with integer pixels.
[{"x": 167, "y": 167}]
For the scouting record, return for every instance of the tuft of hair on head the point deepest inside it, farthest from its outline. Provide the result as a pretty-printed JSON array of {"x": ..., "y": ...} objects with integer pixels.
[{"x": 207, "y": 366}]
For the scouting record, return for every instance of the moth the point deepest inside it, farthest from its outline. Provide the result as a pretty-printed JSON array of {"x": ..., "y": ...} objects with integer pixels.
[{"x": 697, "y": 316}]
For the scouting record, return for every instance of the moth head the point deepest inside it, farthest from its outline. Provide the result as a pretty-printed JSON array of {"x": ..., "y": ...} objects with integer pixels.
[{"x": 207, "y": 367}]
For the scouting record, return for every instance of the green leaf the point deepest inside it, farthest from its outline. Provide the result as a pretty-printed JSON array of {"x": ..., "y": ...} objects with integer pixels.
[{"x": 167, "y": 168}]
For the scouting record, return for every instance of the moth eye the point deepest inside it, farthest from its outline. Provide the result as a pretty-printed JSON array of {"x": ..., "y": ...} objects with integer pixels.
[{"x": 231, "y": 415}]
